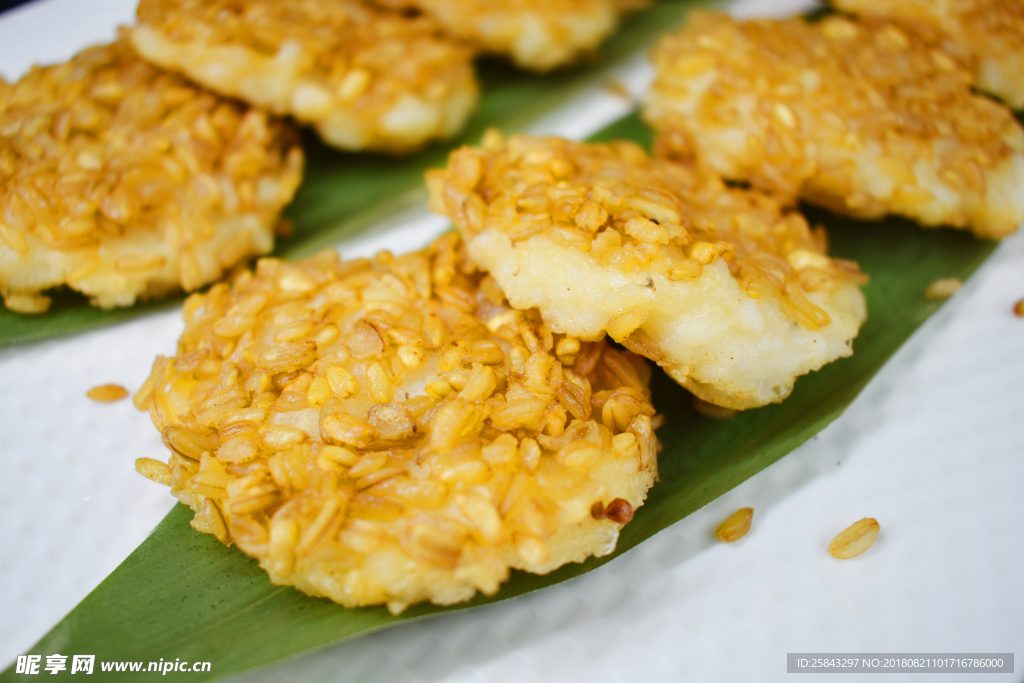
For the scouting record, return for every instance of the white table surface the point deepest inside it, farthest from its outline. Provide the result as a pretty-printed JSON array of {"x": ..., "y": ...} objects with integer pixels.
[{"x": 933, "y": 448}]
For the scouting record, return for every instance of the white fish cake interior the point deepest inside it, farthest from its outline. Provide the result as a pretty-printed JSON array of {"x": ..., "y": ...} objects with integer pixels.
[
  {"x": 365, "y": 77},
  {"x": 731, "y": 294},
  {"x": 987, "y": 34},
  {"x": 865, "y": 119},
  {"x": 125, "y": 182},
  {"x": 537, "y": 34},
  {"x": 390, "y": 431}
]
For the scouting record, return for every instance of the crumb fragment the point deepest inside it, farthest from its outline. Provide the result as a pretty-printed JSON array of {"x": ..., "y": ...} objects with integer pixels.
[
  {"x": 107, "y": 393},
  {"x": 1018, "y": 309},
  {"x": 943, "y": 288},
  {"x": 618, "y": 510},
  {"x": 854, "y": 539},
  {"x": 735, "y": 526},
  {"x": 154, "y": 470},
  {"x": 618, "y": 88},
  {"x": 28, "y": 303}
]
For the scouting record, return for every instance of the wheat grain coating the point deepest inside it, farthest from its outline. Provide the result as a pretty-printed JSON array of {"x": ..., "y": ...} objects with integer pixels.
[
  {"x": 539, "y": 35},
  {"x": 987, "y": 35},
  {"x": 865, "y": 119},
  {"x": 125, "y": 182},
  {"x": 390, "y": 431},
  {"x": 365, "y": 77},
  {"x": 732, "y": 294}
]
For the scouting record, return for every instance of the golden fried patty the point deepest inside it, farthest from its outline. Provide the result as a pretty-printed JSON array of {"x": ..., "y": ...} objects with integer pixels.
[
  {"x": 123, "y": 181},
  {"x": 365, "y": 77},
  {"x": 865, "y": 119},
  {"x": 539, "y": 35},
  {"x": 986, "y": 34},
  {"x": 390, "y": 431},
  {"x": 732, "y": 294}
]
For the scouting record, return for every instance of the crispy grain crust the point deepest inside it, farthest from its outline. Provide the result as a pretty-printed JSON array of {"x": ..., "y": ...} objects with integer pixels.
[
  {"x": 539, "y": 35},
  {"x": 865, "y": 119},
  {"x": 987, "y": 35},
  {"x": 125, "y": 182},
  {"x": 365, "y": 77},
  {"x": 728, "y": 290},
  {"x": 390, "y": 431}
]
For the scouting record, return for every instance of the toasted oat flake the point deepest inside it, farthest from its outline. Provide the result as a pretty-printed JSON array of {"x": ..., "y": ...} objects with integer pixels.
[
  {"x": 988, "y": 35},
  {"x": 352, "y": 473},
  {"x": 125, "y": 182},
  {"x": 107, "y": 393},
  {"x": 735, "y": 525},
  {"x": 943, "y": 288},
  {"x": 537, "y": 34},
  {"x": 854, "y": 539},
  {"x": 863, "y": 118},
  {"x": 154, "y": 470},
  {"x": 728, "y": 290},
  {"x": 365, "y": 77},
  {"x": 1018, "y": 309}
]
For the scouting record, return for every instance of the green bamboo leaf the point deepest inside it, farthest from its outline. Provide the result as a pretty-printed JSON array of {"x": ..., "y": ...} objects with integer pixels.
[
  {"x": 183, "y": 595},
  {"x": 345, "y": 194}
]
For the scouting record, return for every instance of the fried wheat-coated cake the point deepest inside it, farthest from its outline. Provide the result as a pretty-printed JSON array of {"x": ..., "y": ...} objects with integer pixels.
[
  {"x": 866, "y": 119},
  {"x": 124, "y": 182},
  {"x": 539, "y": 35},
  {"x": 988, "y": 35},
  {"x": 730, "y": 292},
  {"x": 391, "y": 431},
  {"x": 367, "y": 78}
]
